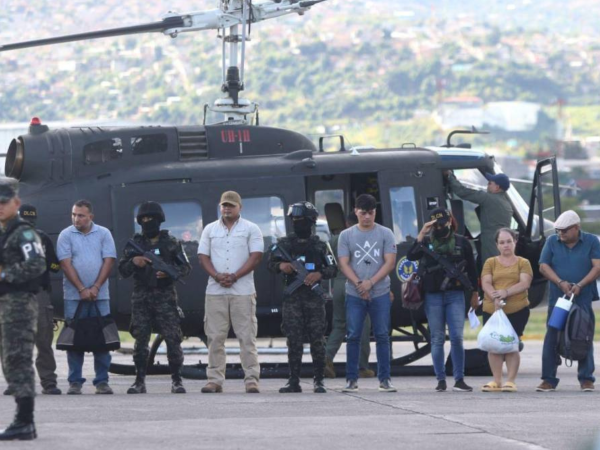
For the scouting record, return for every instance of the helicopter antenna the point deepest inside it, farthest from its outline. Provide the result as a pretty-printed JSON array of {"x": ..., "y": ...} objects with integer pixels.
[{"x": 226, "y": 19}]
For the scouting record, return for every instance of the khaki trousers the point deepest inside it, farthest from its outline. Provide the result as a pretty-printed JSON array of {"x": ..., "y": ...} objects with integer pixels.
[{"x": 240, "y": 312}]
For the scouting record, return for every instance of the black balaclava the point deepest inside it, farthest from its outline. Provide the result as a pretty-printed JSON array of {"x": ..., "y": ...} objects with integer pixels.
[
  {"x": 441, "y": 233},
  {"x": 151, "y": 228},
  {"x": 303, "y": 228}
]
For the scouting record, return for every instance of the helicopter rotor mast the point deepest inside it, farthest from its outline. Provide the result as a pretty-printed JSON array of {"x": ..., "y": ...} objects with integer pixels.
[{"x": 229, "y": 16}]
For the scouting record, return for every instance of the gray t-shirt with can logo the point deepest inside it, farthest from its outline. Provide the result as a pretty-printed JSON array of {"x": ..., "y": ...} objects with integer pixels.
[{"x": 366, "y": 250}]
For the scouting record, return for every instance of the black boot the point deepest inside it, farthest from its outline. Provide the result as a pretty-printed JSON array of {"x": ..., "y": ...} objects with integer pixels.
[
  {"x": 319, "y": 386},
  {"x": 177, "y": 384},
  {"x": 22, "y": 428},
  {"x": 293, "y": 384},
  {"x": 139, "y": 386}
]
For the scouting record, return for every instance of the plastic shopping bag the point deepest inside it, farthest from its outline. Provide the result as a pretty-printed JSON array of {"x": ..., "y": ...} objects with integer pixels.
[{"x": 498, "y": 335}]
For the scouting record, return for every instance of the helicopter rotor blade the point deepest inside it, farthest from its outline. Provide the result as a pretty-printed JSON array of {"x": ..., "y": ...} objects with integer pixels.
[{"x": 166, "y": 24}]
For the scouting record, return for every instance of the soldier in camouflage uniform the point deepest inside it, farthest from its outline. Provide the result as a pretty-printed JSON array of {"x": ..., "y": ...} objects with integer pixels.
[
  {"x": 154, "y": 299},
  {"x": 22, "y": 263},
  {"x": 304, "y": 310}
]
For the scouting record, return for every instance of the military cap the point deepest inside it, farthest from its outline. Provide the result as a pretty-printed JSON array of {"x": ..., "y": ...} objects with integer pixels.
[
  {"x": 9, "y": 188},
  {"x": 28, "y": 213}
]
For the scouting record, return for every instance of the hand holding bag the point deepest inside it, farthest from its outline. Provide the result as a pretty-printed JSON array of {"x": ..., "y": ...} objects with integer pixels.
[
  {"x": 498, "y": 336},
  {"x": 89, "y": 334}
]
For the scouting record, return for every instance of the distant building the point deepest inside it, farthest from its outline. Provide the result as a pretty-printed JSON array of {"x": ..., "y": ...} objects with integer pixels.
[
  {"x": 512, "y": 116},
  {"x": 456, "y": 112}
]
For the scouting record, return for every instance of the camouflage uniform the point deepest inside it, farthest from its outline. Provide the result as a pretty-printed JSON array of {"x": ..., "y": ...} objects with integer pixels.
[
  {"x": 23, "y": 263},
  {"x": 304, "y": 311},
  {"x": 45, "y": 362},
  {"x": 154, "y": 308}
]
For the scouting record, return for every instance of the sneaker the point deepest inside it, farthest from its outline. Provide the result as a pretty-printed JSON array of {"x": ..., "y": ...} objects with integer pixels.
[
  {"x": 545, "y": 387},
  {"x": 587, "y": 386},
  {"x": 366, "y": 373},
  {"x": 461, "y": 386},
  {"x": 387, "y": 386},
  {"x": 74, "y": 389},
  {"x": 441, "y": 386},
  {"x": 51, "y": 390},
  {"x": 212, "y": 388},
  {"x": 351, "y": 386},
  {"x": 252, "y": 388},
  {"x": 104, "y": 389}
]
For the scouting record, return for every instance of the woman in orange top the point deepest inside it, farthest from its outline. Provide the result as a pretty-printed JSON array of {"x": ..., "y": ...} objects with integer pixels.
[{"x": 505, "y": 280}]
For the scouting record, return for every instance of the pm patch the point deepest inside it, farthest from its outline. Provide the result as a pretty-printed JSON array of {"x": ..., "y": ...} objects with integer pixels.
[{"x": 32, "y": 250}]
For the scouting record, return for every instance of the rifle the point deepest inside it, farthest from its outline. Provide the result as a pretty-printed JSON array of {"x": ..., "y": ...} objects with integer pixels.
[
  {"x": 301, "y": 273},
  {"x": 158, "y": 265},
  {"x": 452, "y": 271}
]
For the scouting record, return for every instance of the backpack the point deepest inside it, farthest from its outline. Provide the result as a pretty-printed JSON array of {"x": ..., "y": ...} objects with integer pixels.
[{"x": 575, "y": 341}]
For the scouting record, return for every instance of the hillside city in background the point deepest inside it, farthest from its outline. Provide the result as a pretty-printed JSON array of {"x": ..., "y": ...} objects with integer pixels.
[{"x": 380, "y": 72}]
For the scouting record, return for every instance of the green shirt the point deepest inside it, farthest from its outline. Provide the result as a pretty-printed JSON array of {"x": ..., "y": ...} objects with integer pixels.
[{"x": 496, "y": 212}]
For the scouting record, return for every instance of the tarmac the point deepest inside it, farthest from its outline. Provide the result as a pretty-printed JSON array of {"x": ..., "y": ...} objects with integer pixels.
[{"x": 416, "y": 417}]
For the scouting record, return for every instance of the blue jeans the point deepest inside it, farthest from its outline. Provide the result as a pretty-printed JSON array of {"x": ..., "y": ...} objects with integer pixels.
[
  {"x": 75, "y": 359},
  {"x": 441, "y": 308},
  {"x": 379, "y": 309},
  {"x": 585, "y": 367}
]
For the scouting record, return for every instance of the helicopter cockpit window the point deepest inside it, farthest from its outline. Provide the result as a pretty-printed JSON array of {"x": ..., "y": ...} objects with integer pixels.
[
  {"x": 184, "y": 221},
  {"x": 149, "y": 143},
  {"x": 102, "y": 151},
  {"x": 404, "y": 214},
  {"x": 267, "y": 213}
]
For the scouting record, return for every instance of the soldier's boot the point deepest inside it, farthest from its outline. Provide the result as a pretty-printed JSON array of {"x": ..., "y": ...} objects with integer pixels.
[
  {"x": 318, "y": 383},
  {"x": 22, "y": 427},
  {"x": 177, "y": 384},
  {"x": 293, "y": 384},
  {"x": 319, "y": 386},
  {"x": 139, "y": 385}
]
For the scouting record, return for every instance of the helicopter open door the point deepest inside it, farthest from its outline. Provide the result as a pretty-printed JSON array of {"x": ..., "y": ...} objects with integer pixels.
[{"x": 544, "y": 209}]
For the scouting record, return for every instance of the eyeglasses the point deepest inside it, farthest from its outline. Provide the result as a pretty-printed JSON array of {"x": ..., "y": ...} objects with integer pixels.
[{"x": 564, "y": 230}]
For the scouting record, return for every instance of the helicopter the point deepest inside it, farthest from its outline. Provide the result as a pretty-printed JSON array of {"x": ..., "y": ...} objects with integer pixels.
[{"x": 186, "y": 168}]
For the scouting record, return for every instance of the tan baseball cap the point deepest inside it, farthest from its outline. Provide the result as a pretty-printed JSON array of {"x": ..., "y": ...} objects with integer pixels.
[{"x": 231, "y": 197}]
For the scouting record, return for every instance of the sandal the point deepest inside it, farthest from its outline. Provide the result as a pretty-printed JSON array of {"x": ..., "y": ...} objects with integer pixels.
[
  {"x": 509, "y": 386},
  {"x": 492, "y": 386}
]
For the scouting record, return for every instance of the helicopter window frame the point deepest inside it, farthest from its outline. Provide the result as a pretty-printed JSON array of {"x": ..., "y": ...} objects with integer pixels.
[
  {"x": 402, "y": 200},
  {"x": 148, "y": 144},
  {"x": 103, "y": 151},
  {"x": 187, "y": 231}
]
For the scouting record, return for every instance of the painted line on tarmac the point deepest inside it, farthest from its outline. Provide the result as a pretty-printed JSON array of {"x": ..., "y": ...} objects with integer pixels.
[{"x": 520, "y": 443}]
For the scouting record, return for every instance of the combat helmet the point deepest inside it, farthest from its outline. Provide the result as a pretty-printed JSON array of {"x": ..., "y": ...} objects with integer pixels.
[
  {"x": 150, "y": 209},
  {"x": 303, "y": 209}
]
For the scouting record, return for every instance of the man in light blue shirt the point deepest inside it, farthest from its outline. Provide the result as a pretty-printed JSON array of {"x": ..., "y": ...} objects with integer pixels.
[
  {"x": 570, "y": 260},
  {"x": 87, "y": 254}
]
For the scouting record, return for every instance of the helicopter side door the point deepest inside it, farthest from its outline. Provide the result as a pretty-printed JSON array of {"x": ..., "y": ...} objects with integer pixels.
[{"x": 544, "y": 209}]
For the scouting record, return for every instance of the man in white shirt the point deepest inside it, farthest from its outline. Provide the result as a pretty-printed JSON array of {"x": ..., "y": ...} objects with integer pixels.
[{"x": 229, "y": 250}]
